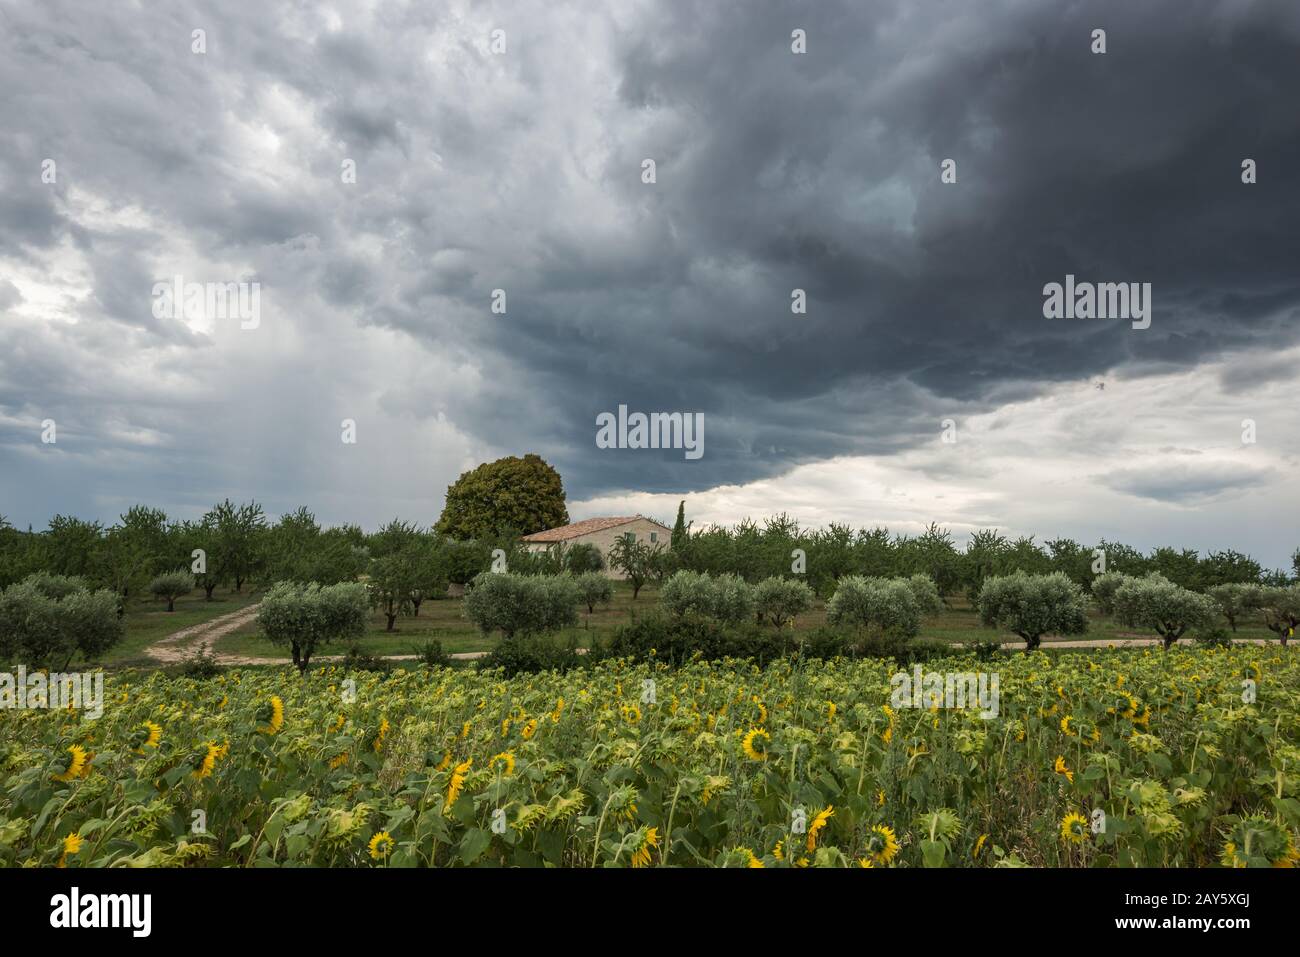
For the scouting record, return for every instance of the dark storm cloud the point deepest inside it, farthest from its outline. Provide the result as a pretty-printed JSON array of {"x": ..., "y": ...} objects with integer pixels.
[{"x": 775, "y": 171}]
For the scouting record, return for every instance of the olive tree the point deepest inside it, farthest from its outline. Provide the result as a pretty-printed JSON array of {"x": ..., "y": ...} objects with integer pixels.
[
  {"x": 926, "y": 593},
  {"x": 1034, "y": 605},
  {"x": 1235, "y": 599},
  {"x": 887, "y": 605},
  {"x": 1104, "y": 587},
  {"x": 1156, "y": 603},
  {"x": 594, "y": 588},
  {"x": 171, "y": 585},
  {"x": 390, "y": 582},
  {"x": 48, "y": 620},
  {"x": 1280, "y": 607},
  {"x": 306, "y": 616},
  {"x": 513, "y": 603},
  {"x": 779, "y": 600},
  {"x": 686, "y": 593}
]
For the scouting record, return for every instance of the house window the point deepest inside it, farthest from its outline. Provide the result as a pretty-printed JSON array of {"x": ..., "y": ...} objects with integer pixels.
[
  {"x": 629, "y": 537},
  {"x": 654, "y": 536}
]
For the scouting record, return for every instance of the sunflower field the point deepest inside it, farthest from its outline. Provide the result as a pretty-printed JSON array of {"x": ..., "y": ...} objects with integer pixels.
[{"x": 1121, "y": 758}]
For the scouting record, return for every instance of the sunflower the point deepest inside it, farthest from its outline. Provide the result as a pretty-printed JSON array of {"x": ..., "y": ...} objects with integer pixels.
[
  {"x": 882, "y": 844},
  {"x": 632, "y": 714},
  {"x": 71, "y": 845},
  {"x": 338, "y": 723},
  {"x": 748, "y": 744},
  {"x": 1074, "y": 828},
  {"x": 1065, "y": 726},
  {"x": 146, "y": 736},
  {"x": 506, "y": 758},
  {"x": 380, "y": 845},
  {"x": 381, "y": 734},
  {"x": 76, "y": 764},
  {"x": 559, "y": 710},
  {"x": 649, "y": 841},
  {"x": 530, "y": 728},
  {"x": 1060, "y": 768},
  {"x": 819, "y": 822},
  {"x": 205, "y": 759},
  {"x": 272, "y": 714},
  {"x": 338, "y": 761},
  {"x": 979, "y": 846},
  {"x": 751, "y": 860},
  {"x": 457, "y": 783}
]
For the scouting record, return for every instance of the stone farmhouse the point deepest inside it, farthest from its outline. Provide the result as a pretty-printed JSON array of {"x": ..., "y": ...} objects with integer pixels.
[{"x": 602, "y": 532}]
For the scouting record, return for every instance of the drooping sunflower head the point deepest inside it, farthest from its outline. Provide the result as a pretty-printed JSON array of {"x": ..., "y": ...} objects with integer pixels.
[
  {"x": 271, "y": 715},
  {"x": 457, "y": 784},
  {"x": 1074, "y": 828},
  {"x": 70, "y": 845},
  {"x": 818, "y": 824},
  {"x": 506, "y": 760},
  {"x": 73, "y": 765},
  {"x": 204, "y": 759},
  {"x": 380, "y": 734},
  {"x": 646, "y": 842},
  {"x": 380, "y": 846},
  {"x": 147, "y": 735}
]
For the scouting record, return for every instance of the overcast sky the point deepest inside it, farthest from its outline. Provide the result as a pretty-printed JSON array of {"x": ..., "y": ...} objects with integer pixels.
[{"x": 521, "y": 169}]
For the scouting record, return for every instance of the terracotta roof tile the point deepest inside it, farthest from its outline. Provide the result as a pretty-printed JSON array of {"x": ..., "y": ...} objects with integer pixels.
[{"x": 585, "y": 527}]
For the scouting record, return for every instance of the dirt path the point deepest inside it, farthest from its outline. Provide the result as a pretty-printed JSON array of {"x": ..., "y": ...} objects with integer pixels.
[
  {"x": 185, "y": 643},
  {"x": 1122, "y": 643},
  {"x": 180, "y": 645}
]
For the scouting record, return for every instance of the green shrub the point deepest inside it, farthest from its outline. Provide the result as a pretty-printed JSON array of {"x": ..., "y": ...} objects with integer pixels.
[
  {"x": 355, "y": 659},
  {"x": 201, "y": 665},
  {"x": 431, "y": 655},
  {"x": 531, "y": 654},
  {"x": 583, "y": 558}
]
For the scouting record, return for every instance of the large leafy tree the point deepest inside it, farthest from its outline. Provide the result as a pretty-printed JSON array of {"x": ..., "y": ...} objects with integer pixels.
[
  {"x": 523, "y": 495},
  {"x": 239, "y": 540}
]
